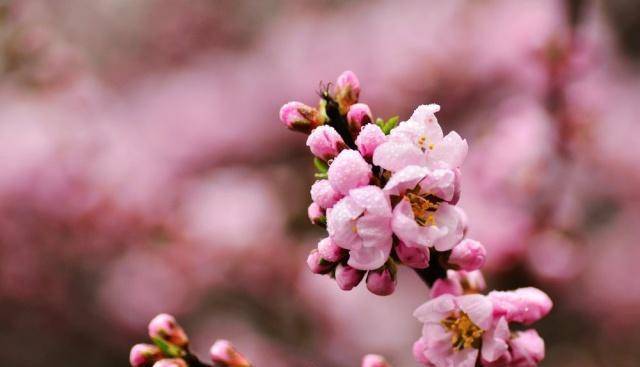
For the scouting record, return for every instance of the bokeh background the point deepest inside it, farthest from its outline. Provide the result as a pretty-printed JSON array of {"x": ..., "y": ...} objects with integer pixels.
[{"x": 143, "y": 169}]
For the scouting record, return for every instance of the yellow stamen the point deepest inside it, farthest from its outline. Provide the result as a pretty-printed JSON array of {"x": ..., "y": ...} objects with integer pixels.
[
  {"x": 423, "y": 209},
  {"x": 466, "y": 334}
]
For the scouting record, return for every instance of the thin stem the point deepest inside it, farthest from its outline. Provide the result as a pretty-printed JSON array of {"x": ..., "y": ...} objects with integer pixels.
[{"x": 338, "y": 121}]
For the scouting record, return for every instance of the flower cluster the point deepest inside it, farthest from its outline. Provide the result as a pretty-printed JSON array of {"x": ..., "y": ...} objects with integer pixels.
[
  {"x": 387, "y": 191},
  {"x": 387, "y": 194},
  {"x": 171, "y": 348},
  {"x": 463, "y": 328}
]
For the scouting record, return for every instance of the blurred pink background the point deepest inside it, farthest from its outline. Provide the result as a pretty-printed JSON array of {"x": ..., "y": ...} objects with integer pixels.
[{"x": 144, "y": 170}]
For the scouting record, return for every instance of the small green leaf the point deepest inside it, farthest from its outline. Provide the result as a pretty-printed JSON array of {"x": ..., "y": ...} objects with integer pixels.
[
  {"x": 390, "y": 124},
  {"x": 380, "y": 122},
  {"x": 321, "y": 176},
  {"x": 169, "y": 349},
  {"x": 321, "y": 165}
]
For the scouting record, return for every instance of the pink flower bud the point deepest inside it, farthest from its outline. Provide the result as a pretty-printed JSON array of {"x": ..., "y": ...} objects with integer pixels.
[
  {"x": 468, "y": 255},
  {"x": 445, "y": 286},
  {"x": 347, "y": 90},
  {"x": 324, "y": 195},
  {"x": 419, "y": 348},
  {"x": 223, "y": 352},
  {"x": 317, "y": 264},
  {"x": 524, "y": 305},
  {"x": 348, "y": 277},
  {"x": 316, "y": 214},
  {"x": 165, "y": 327},
  {"x": 330, "y": 251},
  {"x": 144, "y": 355},
  {"x": 527, "y": 349},
  {"x": 300, "y": 117},
  {"x": 381, "y": 281},
  {"x": 325, "y": 142},
  {"x": 415, "y": 257},
  {"x": 170, "y": 362},
  {"x": 370, "y": 137},
  {"x": 359, "y": 115},
  {"x": 374, "y": 360},
  {"x": 349, "y": 171},
  {"x": 470, "y": 281}
]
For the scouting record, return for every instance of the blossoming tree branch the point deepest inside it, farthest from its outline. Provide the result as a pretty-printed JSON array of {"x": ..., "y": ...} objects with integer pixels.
[{"x": 387, "y": 194}]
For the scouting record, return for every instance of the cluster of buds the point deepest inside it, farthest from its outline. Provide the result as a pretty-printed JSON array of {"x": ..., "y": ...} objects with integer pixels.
[
  {"x": 387, "y": 193},
  {"x": 170, "y": 348},
  {"x": 464, "y": 328}
]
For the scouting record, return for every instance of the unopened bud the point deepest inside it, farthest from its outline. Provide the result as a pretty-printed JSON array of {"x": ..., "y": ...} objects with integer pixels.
[
  {"x": 359, "y": 115},
  {"x": 325, "y": 142},
  {"x": 165, "y": 327},
  {"x": 374, "y": 360},
  {"x": 527, "y": 348},
  {"x": 468, "y": 255},
  {"x": 348, "y": 277},
  {"x": 330, "y": 251},
  {"x": 223, "y": 352},
  {"x": 381, "y": 281},
  {"x": 415, "y": 257},
  {"x": 347, "y": 90},
  {"x": 317, "y": 264},
  {"x": 316, "y": 214},
  {"x": 369, "y": 139},
  {"x": 470, "y": 281},
  {"x": 144, "y": 355},
  {"x": 300, "y": 117},
  {"x": 171, "y": 362}
]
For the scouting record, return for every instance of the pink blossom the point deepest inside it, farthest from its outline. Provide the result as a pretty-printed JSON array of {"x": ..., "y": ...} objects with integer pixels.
[
  {"x": 348, "y": 277},
  {"x": 468, "y": 255},
  {"x": 325, "y": 142},
  {"x": 222, "y": 351},
  {"x": 348, "y": 171},
  {"x": 165, "y": 327},
  {"x": 420, "y": 141},
  {"x": 453, "y": 329},
  {"x": 370, "y": 137},
  {"x": 324, "y": 195},
  {"x": 361, "y": 223},
  {"x": 330, "y": 251},
  {"x": 415, "y": 257},
  {"x": 523, "y": 305},
  {"x": 442, "y": 228},
  {"x": 347, "y": 89},
  {"x": 381, "y": 282}
]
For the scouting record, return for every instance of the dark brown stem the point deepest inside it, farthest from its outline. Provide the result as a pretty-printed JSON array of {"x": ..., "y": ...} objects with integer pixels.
[
  {"x": 338, "y": 121},
  {"x": 434, "y": 272}
]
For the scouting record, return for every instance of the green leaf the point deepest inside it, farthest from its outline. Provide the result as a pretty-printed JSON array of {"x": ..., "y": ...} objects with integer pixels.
[
  {"x": 169, "y": 349},
  {"x": 321, "y": 165},
  {"x": 321, "y": 176},
  {"x": 380, "y": 122},
  {"x": 390, "y": 124}
]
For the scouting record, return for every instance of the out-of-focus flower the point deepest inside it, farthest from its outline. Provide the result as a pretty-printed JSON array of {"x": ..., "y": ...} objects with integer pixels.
[{"x": 171, "y": 362}]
